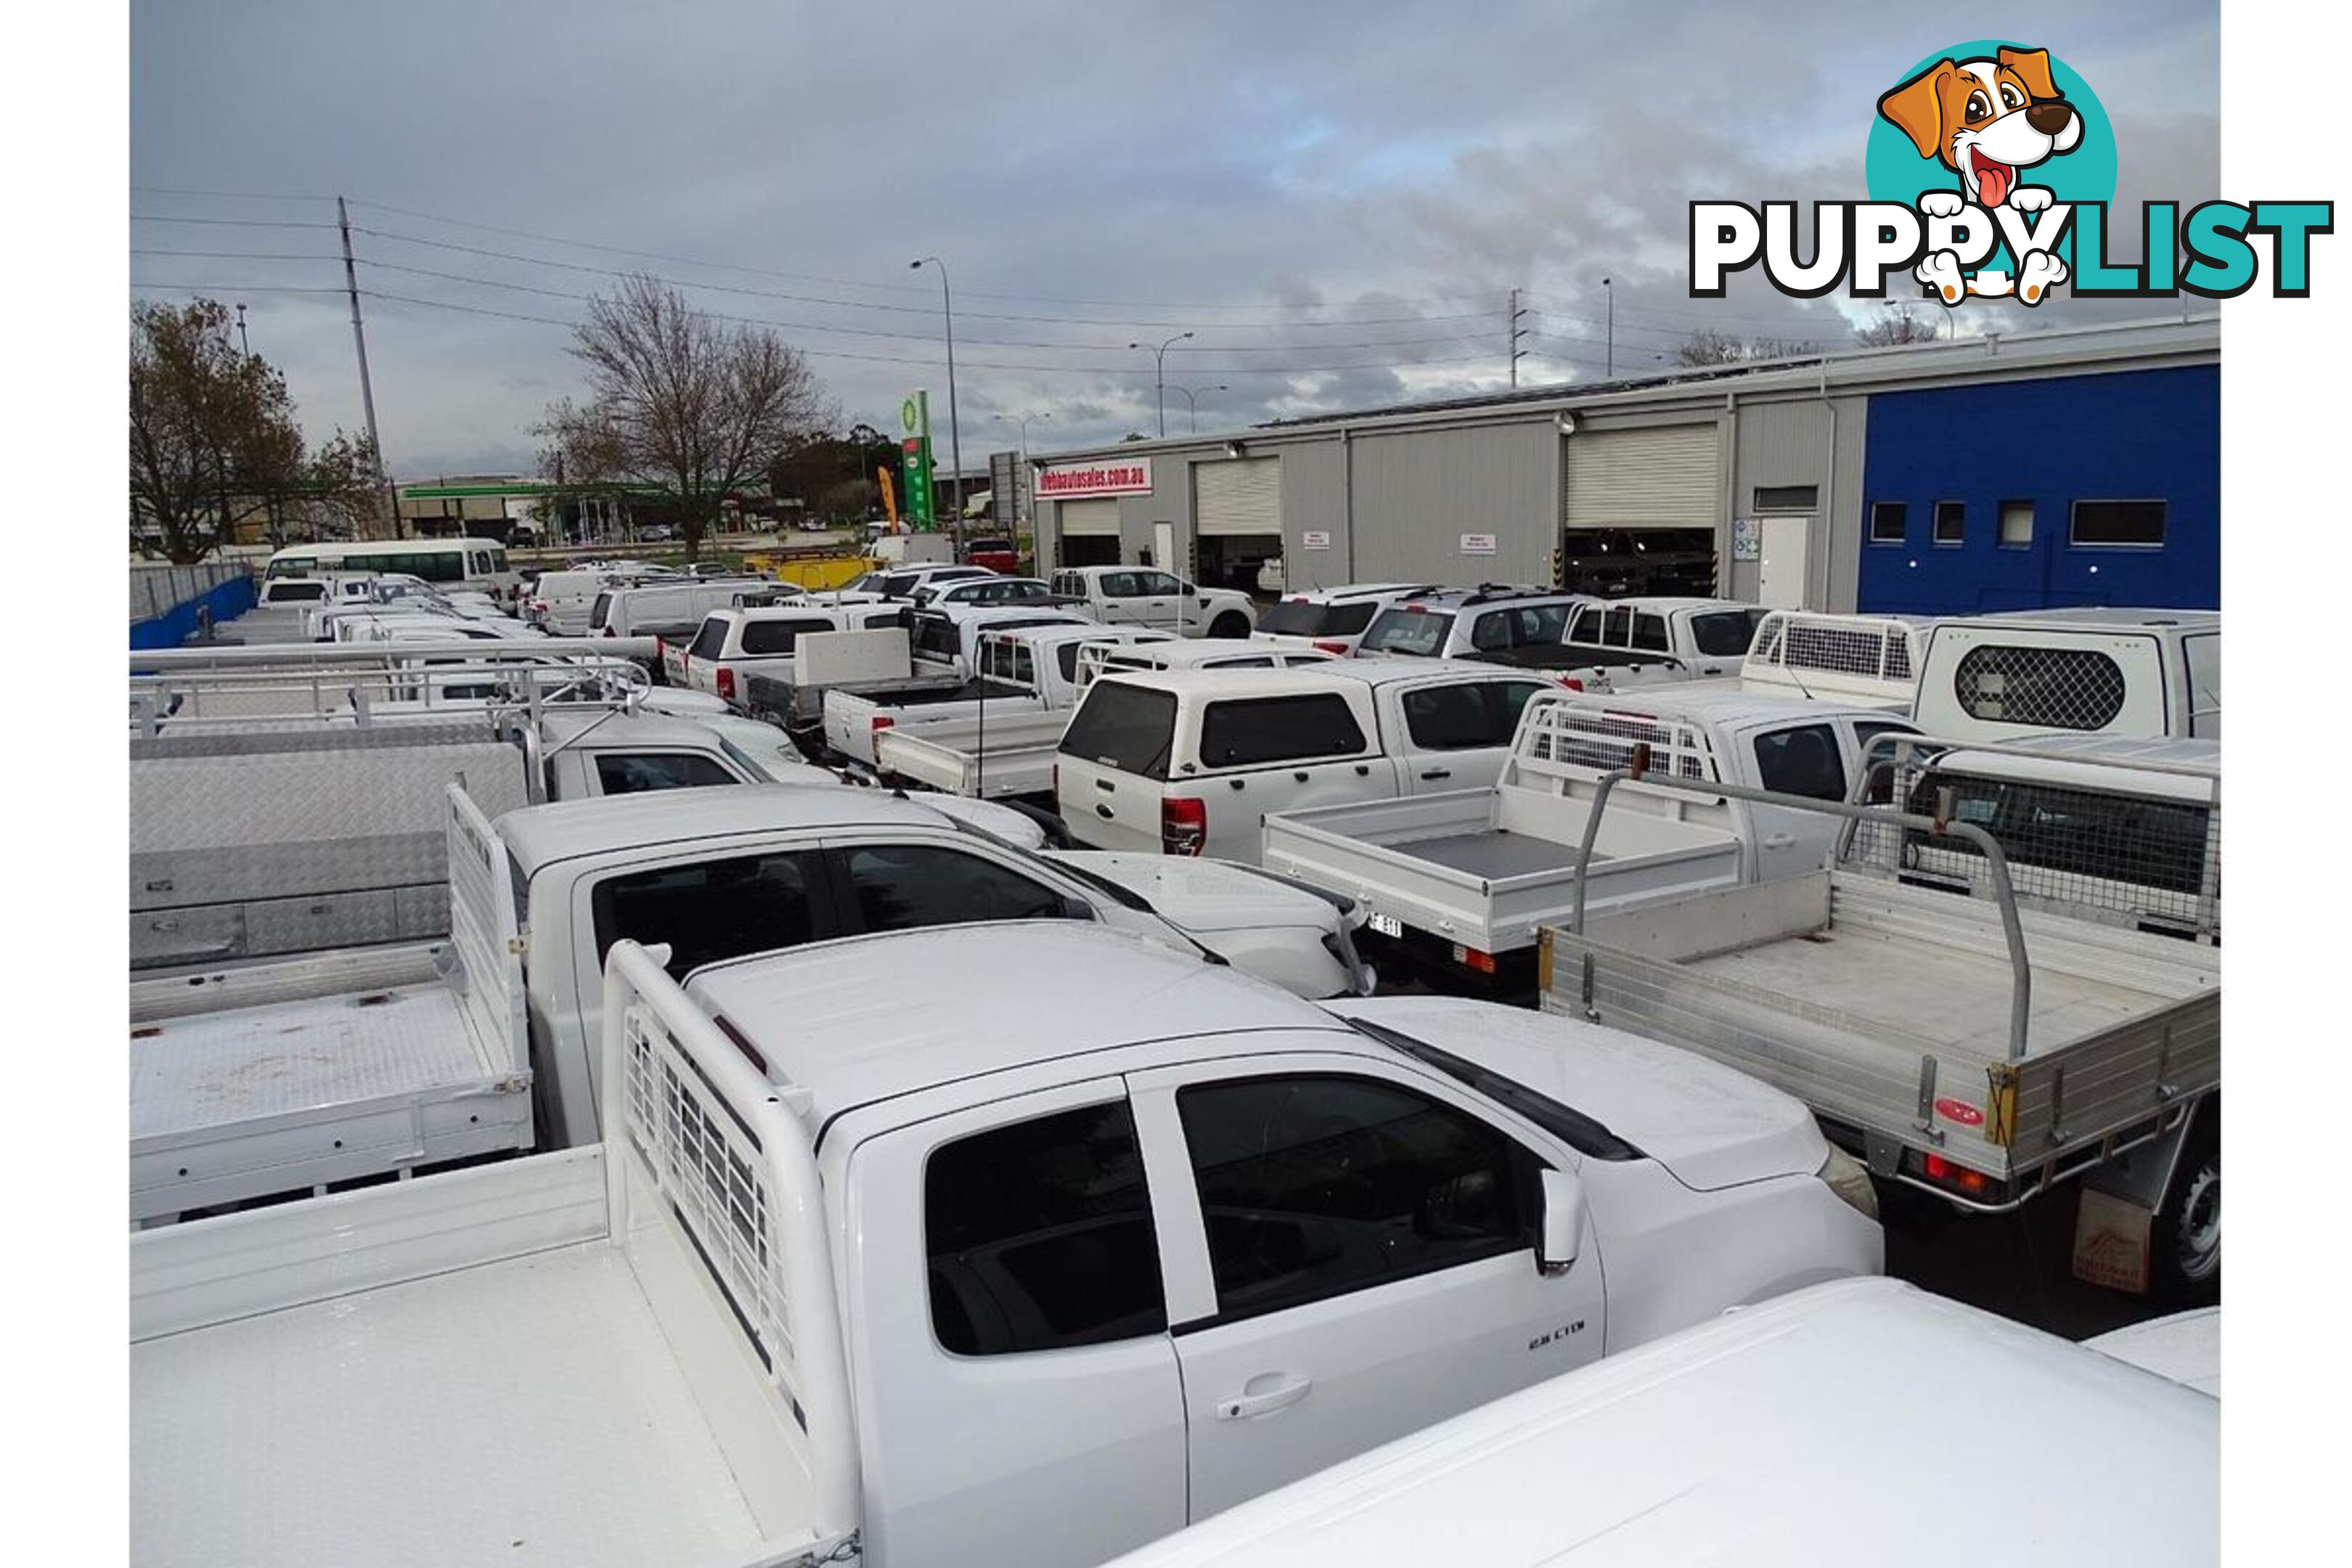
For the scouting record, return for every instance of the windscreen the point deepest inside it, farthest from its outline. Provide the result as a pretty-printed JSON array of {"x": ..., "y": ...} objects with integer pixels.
[
  {"x": 1408, "y": 631},
  {"x": 1305, "y": 619},
  {"x": 1125, "y": 727}
]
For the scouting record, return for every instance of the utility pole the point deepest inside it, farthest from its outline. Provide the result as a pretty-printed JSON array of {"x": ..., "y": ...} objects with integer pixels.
[
  {"x": 1517, "y": 331},
  {"x": 367, "y": 389}
]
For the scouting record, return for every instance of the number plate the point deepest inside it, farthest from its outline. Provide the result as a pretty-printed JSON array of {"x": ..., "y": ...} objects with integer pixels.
[{"x": 1387, "y": 925}]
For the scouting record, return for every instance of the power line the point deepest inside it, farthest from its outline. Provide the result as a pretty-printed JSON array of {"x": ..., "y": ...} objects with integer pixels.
[
  {"x": 228, "y": 195},
  {"x": 230, "y": 289},
  {"x": 894, "y": 287},
  {"x": 226, "y": 221}
]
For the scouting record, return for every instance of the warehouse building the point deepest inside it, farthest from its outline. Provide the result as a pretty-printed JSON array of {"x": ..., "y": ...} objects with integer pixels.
[{"x": 2073, "y": 466}]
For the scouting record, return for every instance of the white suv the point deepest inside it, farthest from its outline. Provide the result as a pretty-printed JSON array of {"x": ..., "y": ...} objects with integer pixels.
[
  {"x": 1140, "y": 596},
  {"x": 1334, "y": 619},
  {"x": 1467, "y": 623}
]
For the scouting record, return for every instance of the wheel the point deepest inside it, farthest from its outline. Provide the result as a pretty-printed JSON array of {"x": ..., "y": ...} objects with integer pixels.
[
  {"x": 2185, "y": 1246},
  {"x": 1231, "y": 625}
]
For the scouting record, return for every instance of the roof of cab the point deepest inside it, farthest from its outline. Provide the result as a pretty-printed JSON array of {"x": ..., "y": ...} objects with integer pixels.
[
  {"x": 842, "y": 1020},
  {"x": 2096, "y": 618},
  {"x": 540, "y": 835},
  {"x": 1715, "y": 1445}
]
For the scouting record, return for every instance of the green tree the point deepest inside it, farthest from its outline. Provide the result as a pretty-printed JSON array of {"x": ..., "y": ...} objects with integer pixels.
[{"x": 680, "y": 402}]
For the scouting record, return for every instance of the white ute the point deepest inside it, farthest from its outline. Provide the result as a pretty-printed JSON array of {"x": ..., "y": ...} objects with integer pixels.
[
  {"x": 1465, "y": 879},
  {"x": 880, "y": 1258},
  {"x": 1759, "y": 1439},
  {"x": 1189, "y": 762}
]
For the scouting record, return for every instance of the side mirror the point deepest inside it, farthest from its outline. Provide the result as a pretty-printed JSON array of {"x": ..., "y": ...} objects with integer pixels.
[{"x": 1562, "y": 1229}]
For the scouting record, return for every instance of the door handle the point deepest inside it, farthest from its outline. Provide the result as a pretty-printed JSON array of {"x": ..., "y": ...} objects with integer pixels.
[
  {"x": 1105, "y": 786},
  {"x": 1779, "y": 840},
  {"x": 1286, "y": 1390},
  {"x": 1437, "y": 774},
  {"x": 1363, "y": 770},
  {"x": 1299, "y": 776}
]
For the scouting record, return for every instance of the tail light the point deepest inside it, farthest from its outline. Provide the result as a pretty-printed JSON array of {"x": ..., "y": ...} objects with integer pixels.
[
  {"x": 1958, "y": 1178},
  {"x": 726, "y": 684},
  {"x": 883, "y": 721},
  {"x": 1572, "y": 683},
  {"x": 1183, "y": 826},
  {"x": 1471, "y": 958},
  {"x": 1335, "y": 647}
]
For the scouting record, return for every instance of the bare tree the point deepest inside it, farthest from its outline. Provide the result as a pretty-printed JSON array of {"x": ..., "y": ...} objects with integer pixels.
[
  {"x": 678, "y": 403},
  {"x": 1897, "y": 325},
  {"x": 1707, "y": 346},
  {"x": 211, "y": 430}
]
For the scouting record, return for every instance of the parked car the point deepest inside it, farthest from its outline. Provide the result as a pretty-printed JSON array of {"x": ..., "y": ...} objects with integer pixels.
[
  {"x": 900, "y": 582},
  {"x": 996, "y": 554},
  {"x": 1717, "y": 1445},
  {"x": 850, "y": 1205},
  {"x": 984, "y": 590},
  {"x": 1191, "y": 761},
  {"x": 731, "y": 645},
  {"x": 1457, "y": 623},
  {"x": 1138, "y": 595},
  {"x": 1333, "y": 619},
  {"x": 1704, "y": 637}
]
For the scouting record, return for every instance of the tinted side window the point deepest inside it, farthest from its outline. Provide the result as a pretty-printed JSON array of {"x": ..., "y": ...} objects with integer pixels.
[
  {"x": 1240, "y": 733},
  {"x": 778, "y": 636},
  {"x": 1587, "y": 625},
  {"x": 1039, "y": 1236},
  {"x": 1801, "y": 761},
  {"x": 598, "y": 616},
  {"x": 626, "y": 773},
  {"x": 899, "y": 887},
  {"x": 1488, "y": 632},
  {"x": 710, "y": 639},
  {"x": 1314, "y": 1187},
  {"x": 1650, "y": 633},
  {"x": 720, "y": 909},
  {"x": 1123, "y": 727},
  {"x": 1449, "y": 718}
]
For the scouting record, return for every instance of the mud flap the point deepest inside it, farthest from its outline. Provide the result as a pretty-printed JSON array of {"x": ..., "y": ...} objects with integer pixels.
[{"x": 2111, "y": 1236}]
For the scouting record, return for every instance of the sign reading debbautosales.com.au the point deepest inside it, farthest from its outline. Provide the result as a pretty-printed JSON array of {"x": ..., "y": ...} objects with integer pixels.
[{"x": 1069, "y": 481}]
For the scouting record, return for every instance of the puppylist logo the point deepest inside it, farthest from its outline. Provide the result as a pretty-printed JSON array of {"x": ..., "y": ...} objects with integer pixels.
[{"x": 1991, "y": 171}]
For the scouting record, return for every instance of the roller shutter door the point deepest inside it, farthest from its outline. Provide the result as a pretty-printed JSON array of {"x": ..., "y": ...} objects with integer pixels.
[
  {"x": 1089, "y": 518},
  {"x": 1644, "y": 478},
  {"x": 1237, "y": 498}
]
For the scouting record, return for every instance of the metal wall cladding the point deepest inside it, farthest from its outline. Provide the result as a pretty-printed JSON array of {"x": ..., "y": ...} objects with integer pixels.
[
  {"x": 1786, "y": 443},
  {"x": 1418, "y": 493}
]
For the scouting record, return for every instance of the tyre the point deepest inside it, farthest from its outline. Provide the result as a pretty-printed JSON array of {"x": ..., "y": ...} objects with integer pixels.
[
  {"x": 1231, "y": 625},
  {"x": 2185, "y": 1246}
]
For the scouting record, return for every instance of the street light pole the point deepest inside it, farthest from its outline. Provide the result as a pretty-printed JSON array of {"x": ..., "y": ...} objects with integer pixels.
[
  {"x": 1160, "y": 376},
  {"x": 245, "y": 345},
  {"x": 1192, "y": 402},
  {"x": 1612, "y": 296},
  {"x": 955, "y": 428}
]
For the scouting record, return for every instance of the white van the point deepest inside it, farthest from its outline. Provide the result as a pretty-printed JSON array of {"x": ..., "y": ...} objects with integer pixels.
[
  {"x": 1191, "y": 761},
  {"x": 673, "y": 610},
  {"x": 479, "y": 564}
]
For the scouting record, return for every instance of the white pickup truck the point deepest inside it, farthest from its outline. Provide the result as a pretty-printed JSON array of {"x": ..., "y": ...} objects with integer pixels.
[
  {"x": 877, "y": 1257},
  {"x": 995, "y": 730},
  {"x": 733, "y": 643},
  {"x": 1188, "y": 761},
  {"x": 1140, "y": 596},
  {"x": 274, "y": 1078},
  {"x": 1978, "y": 1049},
  {"x": 1703, "y": 637},
  {"x": 1461, "y": 882},
  {"x": 1719, "y": 1445},
  {"x": 2131, "y": 674}
]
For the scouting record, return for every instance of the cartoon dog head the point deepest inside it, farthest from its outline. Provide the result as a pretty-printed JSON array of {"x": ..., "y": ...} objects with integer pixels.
[{"x": 1986, "y": 120}]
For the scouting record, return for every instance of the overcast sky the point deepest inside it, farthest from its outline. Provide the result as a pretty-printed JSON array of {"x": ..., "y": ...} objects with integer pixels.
[{"x": 1333, "y": 196}]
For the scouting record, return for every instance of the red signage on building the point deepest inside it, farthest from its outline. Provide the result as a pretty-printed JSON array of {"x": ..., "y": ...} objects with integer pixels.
[{"x": 1068, "y": 481}]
